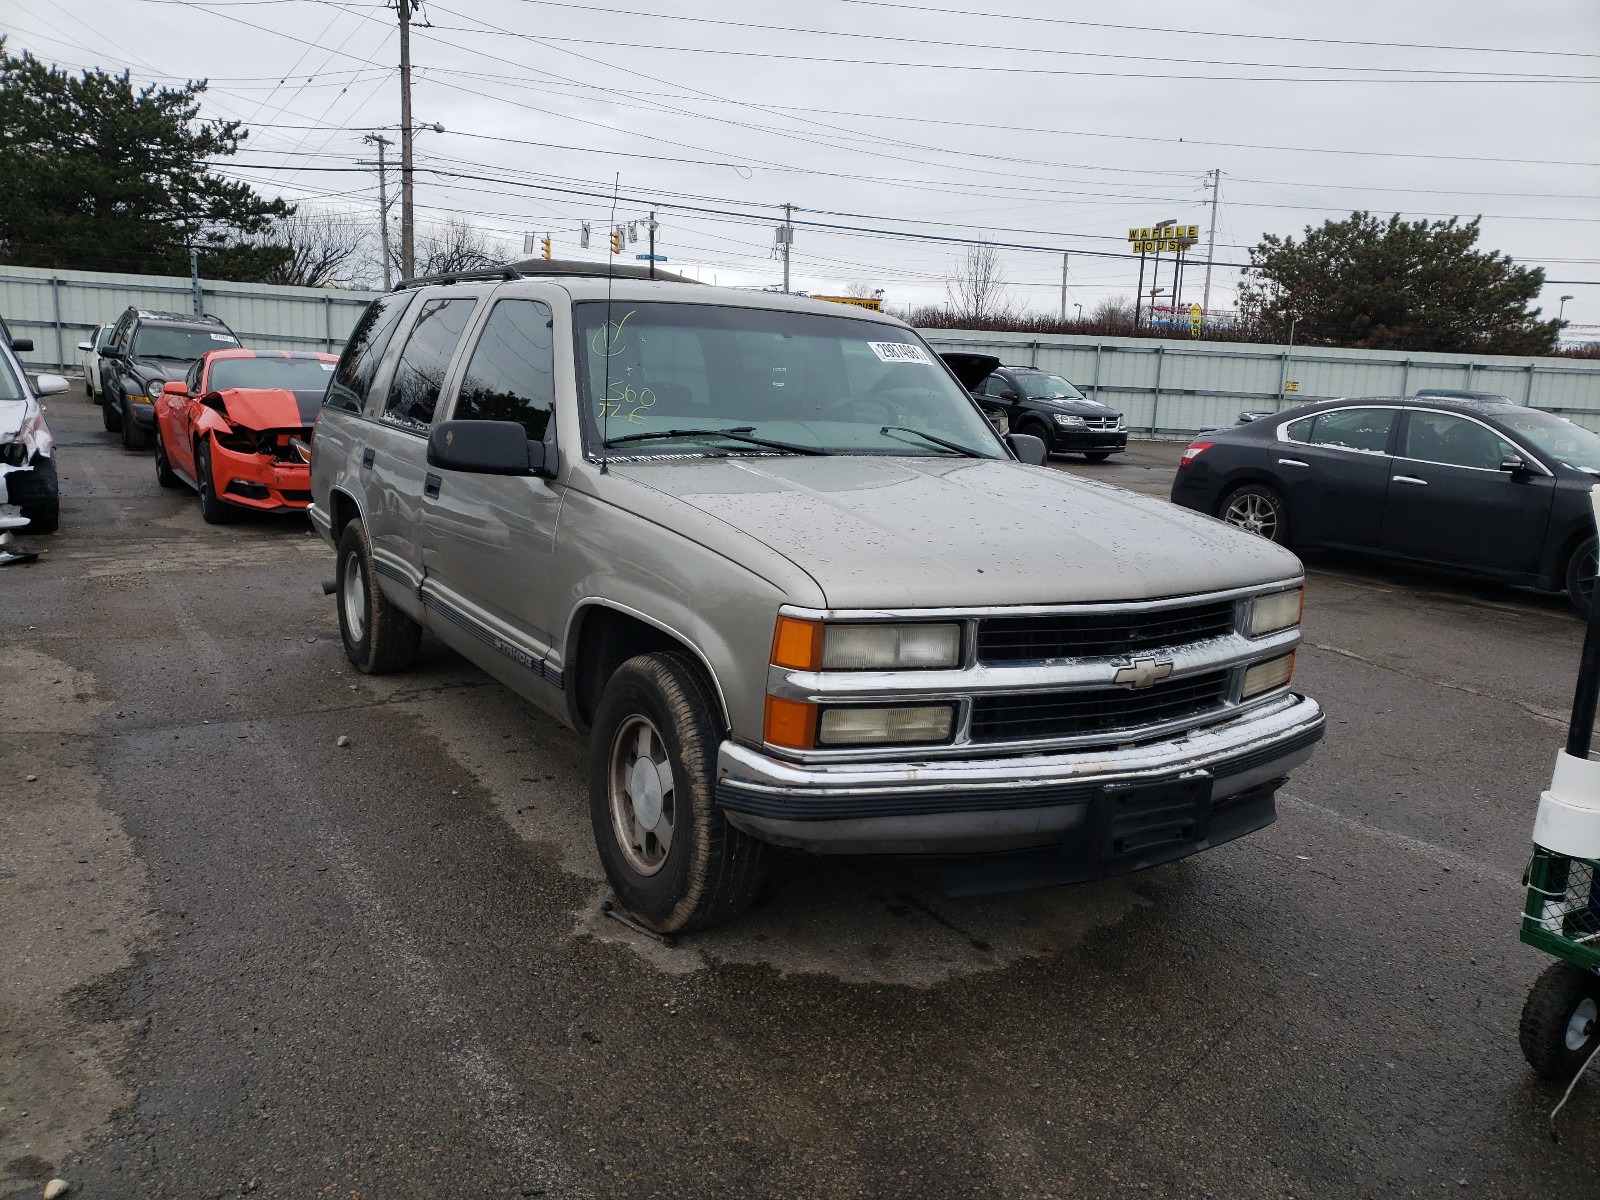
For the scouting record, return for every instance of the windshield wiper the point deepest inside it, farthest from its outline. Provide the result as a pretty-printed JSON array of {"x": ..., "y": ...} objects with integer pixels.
[
  {"x": 739, "y": 433},
  {"x": 968, "y": 451}
]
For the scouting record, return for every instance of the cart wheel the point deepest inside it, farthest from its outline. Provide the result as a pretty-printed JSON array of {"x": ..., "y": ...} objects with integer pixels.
[{"x": 1561, "y": 1021}]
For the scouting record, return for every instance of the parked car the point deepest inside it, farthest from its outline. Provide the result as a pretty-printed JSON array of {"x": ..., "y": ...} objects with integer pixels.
[
  {"x": 772, "y": 557},
  {"x": 28, "y": 484},
  {"x": 237, "y": 429},
  {"x": 1056, "y": 412},
  {"x": 1492, "y": 489},
  {"x": 99, "y": 337},
  {"x": 972, "y": 370},
  {"x": 146, "y": 351}
]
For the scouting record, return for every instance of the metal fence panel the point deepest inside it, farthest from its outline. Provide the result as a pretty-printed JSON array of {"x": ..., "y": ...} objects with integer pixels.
[{"x": 1170, "y": 388}]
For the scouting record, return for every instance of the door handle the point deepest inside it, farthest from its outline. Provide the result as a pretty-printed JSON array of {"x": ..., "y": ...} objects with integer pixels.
[
  {"x": 1292, "y": 462},
  {"x": 366, "y": 456},
  {"x": 1410, "y": 479},
  {"x": 430, "y": 485}
]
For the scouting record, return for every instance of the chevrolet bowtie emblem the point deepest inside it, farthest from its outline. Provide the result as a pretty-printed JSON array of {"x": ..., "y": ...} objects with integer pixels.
[{"x": 1143, "y": 673}]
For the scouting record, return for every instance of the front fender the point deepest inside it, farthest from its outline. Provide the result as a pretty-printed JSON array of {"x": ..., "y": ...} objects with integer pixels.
[{"x": 209, "y": 420}]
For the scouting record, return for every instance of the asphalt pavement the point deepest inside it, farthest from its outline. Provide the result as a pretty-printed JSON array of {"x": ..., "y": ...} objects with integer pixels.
[{"x": 241, "y": 959}]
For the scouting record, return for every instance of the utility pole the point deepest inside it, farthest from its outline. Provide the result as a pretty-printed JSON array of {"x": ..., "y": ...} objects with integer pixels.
[
  {"x": 1211, "y": 241},
  {"x": 652, "y": 245},
  {"x": 789, "y": 237},
  {"x": 408, "y": 244},
  {"x": 1063, "y": 287},
  {"x": 194, "y": 282},
  {"x": 383, "y": 143}
]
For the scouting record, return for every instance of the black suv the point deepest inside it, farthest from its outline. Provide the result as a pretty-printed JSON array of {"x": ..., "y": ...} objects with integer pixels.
[
  {"x": 146, "y": 350},
  {"x": 1054, "y": 411}
]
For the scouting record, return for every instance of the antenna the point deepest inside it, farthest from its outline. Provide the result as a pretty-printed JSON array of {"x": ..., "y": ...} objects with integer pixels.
[{"x": 605, "y": 395}]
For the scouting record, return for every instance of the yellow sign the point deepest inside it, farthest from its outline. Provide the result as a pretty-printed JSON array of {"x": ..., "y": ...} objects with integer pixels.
[
  {"x": 1291, "y": 385},
  {"x": 1163, "y": 240},
  {"x": 875, "y": 303},
  {"x": 1196, "y": 317}
]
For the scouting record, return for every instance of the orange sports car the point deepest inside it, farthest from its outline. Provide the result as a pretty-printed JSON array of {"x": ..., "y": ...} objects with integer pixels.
[{"x": 237, "y": 429}]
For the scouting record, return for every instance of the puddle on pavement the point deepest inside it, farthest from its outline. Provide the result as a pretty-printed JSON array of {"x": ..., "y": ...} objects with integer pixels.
[{"x": 853, "y": 919}]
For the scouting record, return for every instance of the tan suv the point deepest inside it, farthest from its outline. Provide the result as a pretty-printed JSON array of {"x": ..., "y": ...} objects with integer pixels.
[{"x": 773, "y": 557}]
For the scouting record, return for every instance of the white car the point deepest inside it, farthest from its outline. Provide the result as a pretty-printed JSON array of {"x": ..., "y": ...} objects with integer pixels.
[
  {"x": 97, "y": 341},
  {"x": 28, "y": 490}
]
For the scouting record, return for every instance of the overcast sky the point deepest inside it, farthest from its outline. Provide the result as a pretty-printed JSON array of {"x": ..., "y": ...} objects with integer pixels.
[{"x": 1035, "y": 122}]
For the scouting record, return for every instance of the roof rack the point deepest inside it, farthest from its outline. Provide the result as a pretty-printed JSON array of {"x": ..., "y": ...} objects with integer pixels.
[{"x": 488, "y": 273}]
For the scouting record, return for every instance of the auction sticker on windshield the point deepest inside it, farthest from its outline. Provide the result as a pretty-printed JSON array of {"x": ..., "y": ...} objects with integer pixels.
[{"x": 900, "y": 352}]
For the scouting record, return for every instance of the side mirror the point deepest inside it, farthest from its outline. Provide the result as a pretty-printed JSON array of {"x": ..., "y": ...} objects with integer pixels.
[
  {"x": 51, "y": 385},
  {"x": 174, "y": 387},
  {"x": 489, "y": 448},
  {"x": 22, "y": 345},
  {"x": 1514, "y": 465},
  {"x": 1028, "y": 449},
  {"x": 85, "y": 345}
]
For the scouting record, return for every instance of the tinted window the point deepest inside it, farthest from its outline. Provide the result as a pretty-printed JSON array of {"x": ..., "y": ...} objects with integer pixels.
[
  {"x": 352, "y": 379},
  {"x": 1453, "y": 441},
  {"x": 419, "y": 375},
  {"x": 164, "y": 341},
  {"x": 1354, "y": 429},
  {"x": 996, "y": 385},
  {"x": 1300, "y": 431},
  {"x": 511, "y": 374},
  {"x": 292, "y": 374}
]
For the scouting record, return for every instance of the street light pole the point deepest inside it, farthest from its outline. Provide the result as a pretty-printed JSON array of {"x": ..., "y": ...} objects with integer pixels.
[
  {"x": 408, "y": 244},
  {"x": 383, "y": 143},
  {"x": 1561, "y": 313}
]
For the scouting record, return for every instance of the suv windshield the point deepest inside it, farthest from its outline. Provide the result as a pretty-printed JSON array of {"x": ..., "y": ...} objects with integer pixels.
[
  {"x": 834, "y": 384},
  {"x": 1555, "y": 438},
  {"x": 1036, "y": 385},
  {"x": 293, "y": 374},
  {"x": 157, "y": 341}
]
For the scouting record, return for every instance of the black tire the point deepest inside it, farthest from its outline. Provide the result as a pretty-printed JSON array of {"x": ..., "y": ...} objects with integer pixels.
[
  {"x": 165, "y": 476},
  {"x": 378, "y": 638},
  {"x": 88, "y": 386},
  {"x": 1561, "y": 1021},
  {"x": 110, "y": 415},
  {"x": 1258, "y": 509},
  {"x": 1041, "y": 431},
  {"x": 1098, "y": 455},
  {"x": 1580, "y": 575},
  {"x": 709, "y": 872},
  {"x": 213, "y": 508},
  {"x": 133, "y": 438},
  {"x": 40, "y": 499}
]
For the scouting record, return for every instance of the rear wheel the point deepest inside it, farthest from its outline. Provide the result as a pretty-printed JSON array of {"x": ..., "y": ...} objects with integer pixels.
[
  {"x": 669, "y": 852},
  {"x": 1258, "y": 509},
  {"x": 1581, "y": 570},
  {"x": 1561, "y": 1021},
  {"x": 215, "y": 510},
  {"x": 378, "y": 637},
  {"x": 164, "y": 473}
]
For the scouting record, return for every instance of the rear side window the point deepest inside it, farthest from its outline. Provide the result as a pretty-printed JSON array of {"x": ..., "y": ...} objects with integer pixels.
[
  {"x": 419, "y": 375},
  {"x": 1354, "y": 429},
  {"x": 352, "y": 379},
  {"x": 511, "y": 375},
  {"x": 1300, "y": 431}
]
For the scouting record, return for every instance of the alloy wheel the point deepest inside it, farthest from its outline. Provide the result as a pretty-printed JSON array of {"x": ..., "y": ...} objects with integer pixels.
[
  {"x": 643, "y": 799},
  {"x": 1254, "y": 513}
]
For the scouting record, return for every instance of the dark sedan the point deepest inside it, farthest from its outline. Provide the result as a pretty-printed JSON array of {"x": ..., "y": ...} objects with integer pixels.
[{"x": 1492, "y": 489}]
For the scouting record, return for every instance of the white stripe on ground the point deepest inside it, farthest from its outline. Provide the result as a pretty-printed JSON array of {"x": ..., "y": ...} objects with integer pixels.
[
  {"x": 1436, "y": 854},
  {"x": 1533, "y": 710}
]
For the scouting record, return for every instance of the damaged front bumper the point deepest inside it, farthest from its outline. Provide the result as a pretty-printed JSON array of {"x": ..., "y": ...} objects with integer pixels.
[
  {"x": 1113, "y": 809},
  {"x": 259, "y": 481}
]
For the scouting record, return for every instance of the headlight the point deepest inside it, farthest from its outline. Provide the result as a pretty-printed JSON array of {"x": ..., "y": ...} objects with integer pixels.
[
  {"x": 813, "y": 646},
  {"x": 1275, "y": 611},
  {"x": 1067, "y": 419},
  {"x": 885, "y": 726},
  {"x": 1263, "y": 677}
]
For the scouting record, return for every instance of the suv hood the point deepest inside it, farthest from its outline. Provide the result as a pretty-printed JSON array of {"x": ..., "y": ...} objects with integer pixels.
[
  {"x": 935, "y": 532},
  {"x": 1082, "y": 408}
]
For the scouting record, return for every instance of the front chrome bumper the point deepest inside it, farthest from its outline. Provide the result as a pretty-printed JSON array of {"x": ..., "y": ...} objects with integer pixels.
[{"x": 981, "y": 805}]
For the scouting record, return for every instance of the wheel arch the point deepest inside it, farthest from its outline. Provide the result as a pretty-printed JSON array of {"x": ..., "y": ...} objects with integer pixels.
[
  {"x": 342, "y": 509},
  {"x": 602, "y": 635},
  {"x": 1237, "y": 479}
]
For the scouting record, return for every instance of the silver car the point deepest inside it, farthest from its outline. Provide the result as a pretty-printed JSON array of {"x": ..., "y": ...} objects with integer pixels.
[{"x": 777, "y": 563}]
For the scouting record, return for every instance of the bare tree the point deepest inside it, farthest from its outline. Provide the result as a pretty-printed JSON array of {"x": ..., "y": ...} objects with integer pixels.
[
  {"x": 457, "y": 245},
  {"x": 1113, "y": 310},
  {"x": 861, "y": 289},
  {"x": 976, "y": 292},
  {"x": 322, "y": 248}
]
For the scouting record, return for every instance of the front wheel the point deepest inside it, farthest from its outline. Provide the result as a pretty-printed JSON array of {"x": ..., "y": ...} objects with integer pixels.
[
  {"x": 213, "y": 508},
  {"x": 1258, "y": 509},
  {"x": 1581, "y": 570},
  {"x": 669, "y": 852},
  {"x": 110, "y": 414},
  {"x": 133, "y": 438},
  {"x": 378, "y": 637},
  {"x": 1561, "y": 1021},
  {"x": 165, "y": 476}
]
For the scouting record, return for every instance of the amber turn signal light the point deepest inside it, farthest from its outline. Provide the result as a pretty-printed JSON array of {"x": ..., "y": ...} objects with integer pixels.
[
  {"x": 791, "y": 724},
  {"x": 797, "y": 644}
]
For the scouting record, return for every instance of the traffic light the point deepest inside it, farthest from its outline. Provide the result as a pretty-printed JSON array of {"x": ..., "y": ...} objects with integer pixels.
[
  {"x": 616, "y": 240},
  {"x": 547, "y": 245}
]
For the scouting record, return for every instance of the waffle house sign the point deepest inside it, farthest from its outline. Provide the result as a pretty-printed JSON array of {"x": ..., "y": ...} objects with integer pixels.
[{"x": 1163, "y": 239}]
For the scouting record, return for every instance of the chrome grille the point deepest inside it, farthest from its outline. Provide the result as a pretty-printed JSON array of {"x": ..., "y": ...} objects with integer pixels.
[
  {"x": 1095, "y": 710},
  {"x": 1099, "y": 634},
  {"x": 1103, "y": 424}
]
